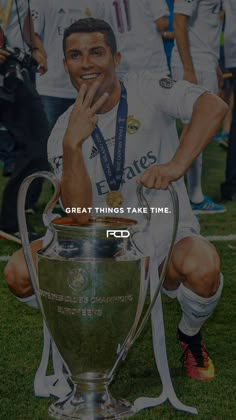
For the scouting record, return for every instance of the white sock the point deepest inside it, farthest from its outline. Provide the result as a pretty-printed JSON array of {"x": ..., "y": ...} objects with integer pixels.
[
  {"x": 196, "y": 309},
  {"x": 170, "y": 293},
  {"x": 194, "y": 181},
  {"x": 30, "y": 301}
]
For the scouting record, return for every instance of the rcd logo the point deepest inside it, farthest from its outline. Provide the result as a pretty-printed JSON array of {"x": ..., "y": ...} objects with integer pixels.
[{"x": 118, "y": 233}]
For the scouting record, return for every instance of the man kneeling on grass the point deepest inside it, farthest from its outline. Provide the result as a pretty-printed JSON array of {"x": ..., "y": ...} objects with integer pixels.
[{"x": 153, "y": 152}]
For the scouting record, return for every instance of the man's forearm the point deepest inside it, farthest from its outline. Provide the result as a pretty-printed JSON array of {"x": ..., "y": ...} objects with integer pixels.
[
  {"x": 76, "y": 190},
  {"x": 30, "y": 36}
]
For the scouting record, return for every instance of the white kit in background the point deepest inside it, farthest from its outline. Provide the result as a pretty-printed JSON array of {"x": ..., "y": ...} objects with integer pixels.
[
  {"x": 51, "y": 18},
  {"x": 204, "y": 29},
  {"x": 138, "y": 40}
]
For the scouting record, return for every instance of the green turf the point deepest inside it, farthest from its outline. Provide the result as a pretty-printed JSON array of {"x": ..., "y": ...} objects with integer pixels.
[{"x": 21, "y": 336}]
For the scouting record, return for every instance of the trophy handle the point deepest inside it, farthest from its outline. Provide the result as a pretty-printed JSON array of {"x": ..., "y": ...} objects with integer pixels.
[
  {"x": 23, "y": 226},
  {"x": 175, "y": 202},
  {"x": 137, "y": 330}
]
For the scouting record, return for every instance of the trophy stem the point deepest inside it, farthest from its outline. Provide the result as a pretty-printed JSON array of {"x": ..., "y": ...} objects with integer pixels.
[{"x": 90, "y": 400}]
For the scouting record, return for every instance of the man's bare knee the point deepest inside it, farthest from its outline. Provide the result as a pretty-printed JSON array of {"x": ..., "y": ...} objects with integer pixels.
[
  {"x": 18, "y": 284},
  {"x": 211, "y": 278},
  {"x": 205, "y": 279},
  {"x": 16, "y": 272}
]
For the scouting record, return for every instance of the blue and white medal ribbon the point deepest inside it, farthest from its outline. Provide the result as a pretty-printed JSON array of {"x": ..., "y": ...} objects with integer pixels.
[{"x": 113, "y": 171}]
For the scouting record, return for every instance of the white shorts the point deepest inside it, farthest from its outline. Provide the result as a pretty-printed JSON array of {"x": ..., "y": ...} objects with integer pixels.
[{"x": 207, "y": 79}]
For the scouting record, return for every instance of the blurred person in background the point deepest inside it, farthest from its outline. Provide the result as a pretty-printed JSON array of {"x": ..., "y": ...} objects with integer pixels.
[
  {"x": 228, "y": 187},
  {"x": 138, "y": 26},
  {"x": 225, "y": 92},
  {"x": 50, "y": 19},
  {"x": 197, "y": 27},
  {"x": 21, "y": 111},
  {"x": 169, "y": 35}
]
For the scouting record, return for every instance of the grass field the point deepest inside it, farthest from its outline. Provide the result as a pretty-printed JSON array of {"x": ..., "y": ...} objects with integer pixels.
[{"x": 21, "y": 336}]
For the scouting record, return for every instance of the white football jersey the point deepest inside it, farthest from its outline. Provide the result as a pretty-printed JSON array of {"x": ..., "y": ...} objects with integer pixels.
[
  {"x": 51, "y": 18},
  {"x": 204, "y": 29},
  {"x": 154, "y": 103},
  {"x": 138, "y": 39}
]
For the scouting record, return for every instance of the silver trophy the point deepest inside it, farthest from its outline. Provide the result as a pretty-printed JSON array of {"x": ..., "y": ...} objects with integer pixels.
[{"x": 91, "y": 290}]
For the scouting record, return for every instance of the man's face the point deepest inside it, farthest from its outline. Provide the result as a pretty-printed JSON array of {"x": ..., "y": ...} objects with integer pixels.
[{"x": 89, "y": 58}]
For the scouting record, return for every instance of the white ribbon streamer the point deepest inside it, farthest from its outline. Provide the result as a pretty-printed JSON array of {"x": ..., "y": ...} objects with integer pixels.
[
  {"x": 159, "y": 345},
  {"x": 56, "y": 384}
]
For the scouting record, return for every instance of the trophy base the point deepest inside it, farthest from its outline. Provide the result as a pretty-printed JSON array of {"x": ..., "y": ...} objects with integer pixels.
[{"x": 90, "y": 403}]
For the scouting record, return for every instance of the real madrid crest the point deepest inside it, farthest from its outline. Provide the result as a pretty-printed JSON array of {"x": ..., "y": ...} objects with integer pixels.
[
  {"x": 132, "y": 124},
  {"x": 166, "y": 82}
]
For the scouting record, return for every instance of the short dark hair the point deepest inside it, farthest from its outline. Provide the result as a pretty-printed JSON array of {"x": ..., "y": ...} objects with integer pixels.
[{"x": 92, "y": 25}]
